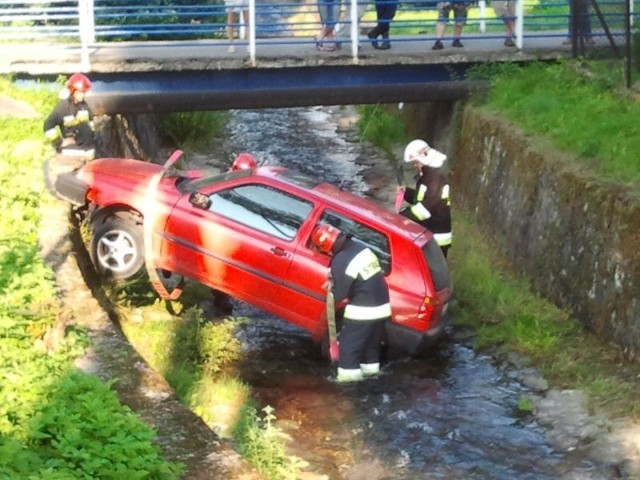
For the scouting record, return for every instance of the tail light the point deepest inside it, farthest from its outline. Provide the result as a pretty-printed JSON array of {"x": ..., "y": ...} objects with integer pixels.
[
  {"x": 91, "y": 195},
  {"x": 429, "y": 305}
]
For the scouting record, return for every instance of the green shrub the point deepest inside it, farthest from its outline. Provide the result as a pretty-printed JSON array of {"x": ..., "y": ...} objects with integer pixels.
[{"x": 194, "y": 130}]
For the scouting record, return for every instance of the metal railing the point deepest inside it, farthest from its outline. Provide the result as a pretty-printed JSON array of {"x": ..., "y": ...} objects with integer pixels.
[{"x": 273, "y": 23}]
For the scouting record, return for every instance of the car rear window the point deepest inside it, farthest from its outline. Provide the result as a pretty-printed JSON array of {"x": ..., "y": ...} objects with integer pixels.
[
  {"x": 376, "y": 241},
  {"x": 437, "y": 265}
]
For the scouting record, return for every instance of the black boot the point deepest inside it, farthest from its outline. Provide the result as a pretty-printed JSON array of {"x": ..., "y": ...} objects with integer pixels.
[
  {"x": 373, "y": 34},
  {"x": 386, "y": 44}
]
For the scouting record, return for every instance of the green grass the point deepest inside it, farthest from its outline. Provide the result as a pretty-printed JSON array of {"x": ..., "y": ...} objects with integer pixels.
[
  {"x": 575, "y": 104},
  {"x": 199, "y": 360},
  {"x": 55, "y": 421},
  {"x": 507, "y": 316},
  {"x": 579, "y": 107}
]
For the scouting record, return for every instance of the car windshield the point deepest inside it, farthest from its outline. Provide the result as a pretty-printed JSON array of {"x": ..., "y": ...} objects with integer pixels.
[
  {"x": 300, "y": 179},
  {"x": 193, "y": 185}
]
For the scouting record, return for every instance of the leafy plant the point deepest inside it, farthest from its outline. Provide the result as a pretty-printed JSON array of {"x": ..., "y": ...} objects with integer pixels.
[
  {"x": 55, "y": 422},
  {"x": 194, "y": 130}
]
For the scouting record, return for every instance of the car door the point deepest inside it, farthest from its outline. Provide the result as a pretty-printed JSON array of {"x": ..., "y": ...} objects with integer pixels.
[{"x": 242, "y": 242}]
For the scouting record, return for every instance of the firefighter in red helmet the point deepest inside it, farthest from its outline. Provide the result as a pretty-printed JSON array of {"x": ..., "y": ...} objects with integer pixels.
[
  {"x": 357, "y": 281},
  {"x": 244, "y": 161},
  {"x": 69, "y": 127}
]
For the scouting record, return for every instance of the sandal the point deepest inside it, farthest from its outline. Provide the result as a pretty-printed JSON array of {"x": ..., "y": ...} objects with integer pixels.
[{"x": 319, "y": 44}]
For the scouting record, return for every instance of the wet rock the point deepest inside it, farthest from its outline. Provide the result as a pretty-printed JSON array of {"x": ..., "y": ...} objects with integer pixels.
[{"x": 565, "y": 414}]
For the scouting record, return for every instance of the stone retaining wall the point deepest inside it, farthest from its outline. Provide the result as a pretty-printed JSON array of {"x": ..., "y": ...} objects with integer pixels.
[{"x": 578, "y": 240}]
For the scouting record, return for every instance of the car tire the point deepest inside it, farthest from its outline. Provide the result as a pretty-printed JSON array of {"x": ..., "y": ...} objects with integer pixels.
[{"x": 117, "y": 248}]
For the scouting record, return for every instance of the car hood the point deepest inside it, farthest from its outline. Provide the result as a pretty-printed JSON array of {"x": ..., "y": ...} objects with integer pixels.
[{"x": 129, "y": 170}]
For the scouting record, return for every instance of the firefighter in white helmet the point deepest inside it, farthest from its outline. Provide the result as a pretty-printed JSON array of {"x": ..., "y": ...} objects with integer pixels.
[{"x": 429, "y": 202}]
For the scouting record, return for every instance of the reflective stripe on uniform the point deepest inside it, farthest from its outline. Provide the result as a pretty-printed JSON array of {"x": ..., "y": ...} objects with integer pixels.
[
  {"x": 365, "y": 264},
  {"x": 443, "y": 239},
  {"x": 79, "y": 153},
  {"x": 445, "y": 194},
  {"x": 419, "y": 211},
  {"x": 355, "y": 312},
  {"x": 53, "y": 133}
]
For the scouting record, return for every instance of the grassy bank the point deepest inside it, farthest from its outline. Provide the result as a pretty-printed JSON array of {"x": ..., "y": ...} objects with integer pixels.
[
  {"x": 55, "y": 421},
  {"x": 198, "y": 357},
  {"x": 582, "y": 108}
]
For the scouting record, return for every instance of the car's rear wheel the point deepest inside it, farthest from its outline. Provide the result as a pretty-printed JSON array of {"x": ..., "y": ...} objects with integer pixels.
[{"x": 117, "y": 248}]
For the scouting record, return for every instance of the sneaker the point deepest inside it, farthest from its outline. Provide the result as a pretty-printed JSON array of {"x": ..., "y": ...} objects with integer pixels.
[
  {"x": 509, "y": 43},
  {"x": 231, "y": 49},
  {"x": 437, "y": 46},
  {"x": 457, "y": 43}
]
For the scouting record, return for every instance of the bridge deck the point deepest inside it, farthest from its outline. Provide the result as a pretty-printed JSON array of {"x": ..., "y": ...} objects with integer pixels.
[{"x": 206, "y": 55}]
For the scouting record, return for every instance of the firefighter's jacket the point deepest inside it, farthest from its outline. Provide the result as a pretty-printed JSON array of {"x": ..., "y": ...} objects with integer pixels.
[
  {"x": 358, "y": 277},
  {"x": 70, "y": 120},
  {"x": 430, "y": 205}
]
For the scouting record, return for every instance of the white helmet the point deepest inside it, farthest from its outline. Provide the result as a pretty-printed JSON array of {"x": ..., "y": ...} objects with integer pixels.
[{"x": 420, "y": 151}]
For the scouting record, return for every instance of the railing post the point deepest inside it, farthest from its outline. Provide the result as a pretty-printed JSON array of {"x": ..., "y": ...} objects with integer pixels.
[
  {"x": 86, "y": 29},
  {"x": 482, "y": 11},
  {"x": 252, "y": 32},
  {"x": 519, "y": 23},
  {"x": 355, "y": 29}
]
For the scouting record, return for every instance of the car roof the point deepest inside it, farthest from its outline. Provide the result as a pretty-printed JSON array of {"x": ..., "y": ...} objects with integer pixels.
[{"x": 338, "y": 199}]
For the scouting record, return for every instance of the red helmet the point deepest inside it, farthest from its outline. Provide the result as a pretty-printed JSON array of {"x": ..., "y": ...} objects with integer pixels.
[
  {"x": 244, "y": 161},
  {"x": 324, "y": 237},
  {"x": 78, "y": 82}
]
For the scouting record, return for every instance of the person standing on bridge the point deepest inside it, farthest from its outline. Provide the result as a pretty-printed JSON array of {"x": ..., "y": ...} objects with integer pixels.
[
  {"x": 429, "y": 202},
  {"x": 69, "y": 127},
  {"x": 361, "y": 294},
  {"x": 385, "y": 12},
  {"x": 460, "y": 10},
  {"x": 506, "y": 10},
  {"x": 329, "y": 11},
  {"x": 236, "y": 10}
]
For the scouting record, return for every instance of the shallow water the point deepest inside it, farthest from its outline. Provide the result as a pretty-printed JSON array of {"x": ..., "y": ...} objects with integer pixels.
[{"x": 450, "y": 415}]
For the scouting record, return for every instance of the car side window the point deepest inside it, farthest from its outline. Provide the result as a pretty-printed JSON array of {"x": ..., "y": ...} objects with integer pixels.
[
  {"x": 376, "y": 241},
  {"x": 263, "y": 208}
]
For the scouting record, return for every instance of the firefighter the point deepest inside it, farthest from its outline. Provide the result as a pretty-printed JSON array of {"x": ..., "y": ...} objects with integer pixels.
[
  {"x": 244, "y": 161},
  {"x": 70, "y": 125},
  {"x": 429, "y": 202},
  {"x": 358, "y": 282}
]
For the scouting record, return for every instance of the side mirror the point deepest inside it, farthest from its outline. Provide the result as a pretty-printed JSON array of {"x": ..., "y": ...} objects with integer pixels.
[{"x": 200, "y": 200}]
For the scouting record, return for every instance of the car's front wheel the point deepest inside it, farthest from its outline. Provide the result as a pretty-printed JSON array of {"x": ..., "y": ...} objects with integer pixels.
[{"x": 117, "y": 248}]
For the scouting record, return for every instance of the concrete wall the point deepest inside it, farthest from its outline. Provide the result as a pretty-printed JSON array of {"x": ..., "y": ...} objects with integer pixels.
[{"x": 578, "y": 240}]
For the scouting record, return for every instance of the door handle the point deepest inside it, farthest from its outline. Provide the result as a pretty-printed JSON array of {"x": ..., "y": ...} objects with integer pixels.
[{"x": 279, "y": 251}]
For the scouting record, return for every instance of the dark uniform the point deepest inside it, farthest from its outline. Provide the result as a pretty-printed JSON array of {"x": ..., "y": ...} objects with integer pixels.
[
  {"x": 358, "y": 277},
  {"x": 430, "y": 205},
  {"x": 70, "y": 120}
]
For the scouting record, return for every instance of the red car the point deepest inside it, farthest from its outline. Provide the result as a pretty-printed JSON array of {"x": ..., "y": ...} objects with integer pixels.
[{"x": 246, "y": 233}]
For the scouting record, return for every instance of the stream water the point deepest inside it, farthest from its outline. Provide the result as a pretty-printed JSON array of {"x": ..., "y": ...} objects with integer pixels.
[{"x": 450, "y": 415}]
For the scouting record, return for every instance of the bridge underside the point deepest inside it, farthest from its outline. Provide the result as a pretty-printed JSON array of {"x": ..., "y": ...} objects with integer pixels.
[{"x": 248, "y": 88}]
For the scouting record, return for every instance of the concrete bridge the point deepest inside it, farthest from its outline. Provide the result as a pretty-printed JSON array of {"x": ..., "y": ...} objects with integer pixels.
[{"x": 286, "y": 69}]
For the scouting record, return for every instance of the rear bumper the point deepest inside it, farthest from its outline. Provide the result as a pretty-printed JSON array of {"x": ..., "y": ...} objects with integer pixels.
[{"x": 413, "y": 341}]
